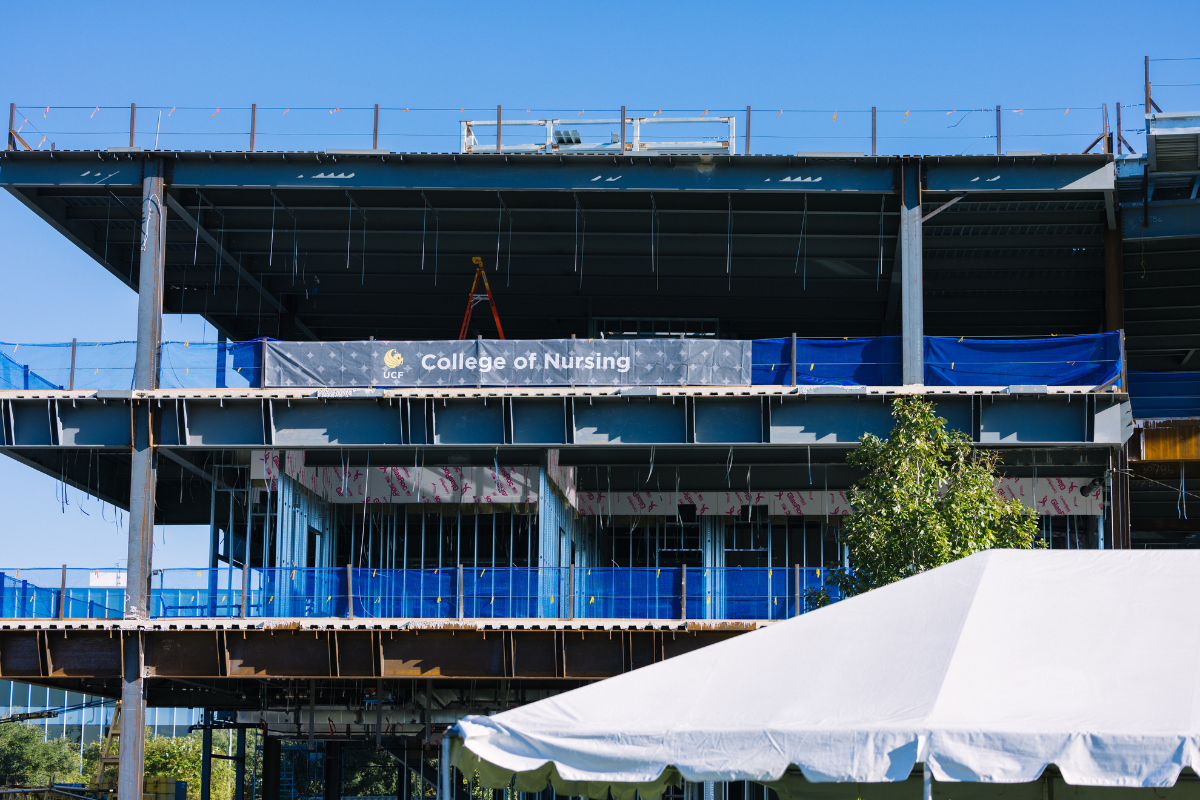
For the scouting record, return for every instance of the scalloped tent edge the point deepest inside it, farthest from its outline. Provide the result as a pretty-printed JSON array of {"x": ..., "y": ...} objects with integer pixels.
[{"x": 987, "y": 670}]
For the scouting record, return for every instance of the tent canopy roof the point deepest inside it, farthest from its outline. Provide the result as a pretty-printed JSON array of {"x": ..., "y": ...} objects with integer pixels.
[{"x": 988, "y": 669}]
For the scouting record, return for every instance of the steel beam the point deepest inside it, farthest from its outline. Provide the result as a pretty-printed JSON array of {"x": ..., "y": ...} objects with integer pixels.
[
  {"x": 1093, "y": 173},
  {"x": 519, "y": 423},
  {"x": 445, "y": 171},
  {"x": 1164, "y": 222},
  {"x": 333, "y": 649},
  {"x": 912, "y": 292}
]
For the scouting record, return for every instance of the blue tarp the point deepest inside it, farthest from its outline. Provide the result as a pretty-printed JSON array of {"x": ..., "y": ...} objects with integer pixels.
[
  {"x": 1164, "y": 394},
  {"x": 830, "y": 362},
  {"x": 1087, "y": 360}
]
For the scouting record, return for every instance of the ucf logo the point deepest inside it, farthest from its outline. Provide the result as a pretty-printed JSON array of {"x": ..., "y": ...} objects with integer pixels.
[{"x": 392, "y": 359}]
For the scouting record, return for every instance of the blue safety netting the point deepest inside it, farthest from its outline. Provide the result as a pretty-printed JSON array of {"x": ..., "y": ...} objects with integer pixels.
[
  {"x": 109, "y": 365},
  {"x": 98, "y": 365},
  {"x": 14, "y": 375},
  {"x": 1164, "y": 394},
  {"x": 1088, "y": 360},
  {"x": 190, "y": 365},
  {"x": 836, "y": 362}
]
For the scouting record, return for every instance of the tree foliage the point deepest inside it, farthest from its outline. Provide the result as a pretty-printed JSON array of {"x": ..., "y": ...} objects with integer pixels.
[
  {"x": 927, "y": 497},
  {"x": 179, "y": 757},
  {"x": 29, "y": 759}
]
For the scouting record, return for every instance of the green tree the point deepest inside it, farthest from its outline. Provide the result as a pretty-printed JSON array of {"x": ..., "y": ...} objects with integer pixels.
[
  {"x": 927, "y": 497},
  {"x": 179, "y": 757},
  {"x": 29, "y": 759}
]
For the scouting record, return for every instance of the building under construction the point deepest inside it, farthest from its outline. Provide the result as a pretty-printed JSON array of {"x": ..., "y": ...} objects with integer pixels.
[{"x": 633, "y": 446}]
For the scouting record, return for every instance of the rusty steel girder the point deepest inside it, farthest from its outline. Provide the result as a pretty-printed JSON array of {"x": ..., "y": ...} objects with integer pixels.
[{"x": 266, "y": 653}]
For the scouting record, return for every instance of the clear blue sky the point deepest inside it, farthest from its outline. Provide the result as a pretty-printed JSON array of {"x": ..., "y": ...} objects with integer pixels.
[{"x": 936, "y": 61}]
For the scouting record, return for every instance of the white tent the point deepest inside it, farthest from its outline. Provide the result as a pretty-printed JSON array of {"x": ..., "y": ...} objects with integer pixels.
[{"x": 985, "y": 670}]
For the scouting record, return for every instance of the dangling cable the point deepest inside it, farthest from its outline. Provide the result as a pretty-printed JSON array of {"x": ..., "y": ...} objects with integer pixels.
[
  {"x": 655, "y": 241},
  {"x": 802, "y": 245},
  {"x": 580, "y": 242},
  {"x": 729, "y": 243},
  {"x": 349, "y": 226},
  {"x": 879, "y": 272},
  {"x": 424, "y": 215},
  {"x": 271, "y": 250}
]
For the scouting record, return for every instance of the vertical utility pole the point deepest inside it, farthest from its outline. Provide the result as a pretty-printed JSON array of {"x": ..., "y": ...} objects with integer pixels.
[
  {"x": 622, "y": 130},
  {"x": 74, "y": 344},
  {"x": 873, "y": 152},
  {"x": 998, "y": 150},
  {"x": 747, "y": 130},
  {"x": 132, "y": 121},
  {"x": 375, "y": 134},
  {"x": 253, "y": 122},
  {"x": 498, "y": 118}
]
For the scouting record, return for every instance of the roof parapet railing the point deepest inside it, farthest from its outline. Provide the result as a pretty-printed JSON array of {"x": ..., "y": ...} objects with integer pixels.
[{"x": 560, "y": 139}]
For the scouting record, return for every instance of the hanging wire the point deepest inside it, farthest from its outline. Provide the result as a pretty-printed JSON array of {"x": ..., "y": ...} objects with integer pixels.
[
  {"x": 349, "y": 226},
  {"x": 271, "y": 250},
  {"x": 499, "y": 221},
  {"x": 436, "y": 235},
  {"x": 802, "y": 244},
  {"x": 729, "y": 243},
  {"x": 424, "y": 216},
  {"x": 879, "y": 273},
  {"x": 580, "y": 241},
  {"x": 655, "y": 241}
]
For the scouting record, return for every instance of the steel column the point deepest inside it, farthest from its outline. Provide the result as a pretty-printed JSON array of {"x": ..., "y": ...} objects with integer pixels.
[
  {"x": 153, "y": 238},
  {"x": 272, "y": 755},
  {"x": 145, "y": 377},
  {"x": 332, "y": 789},
  {"x": 239, "y": 767},
  {"x": 206, "y": 758},
  {"x": 873, "y": 130},
  {"x": 130, "y": 766},
  {"x": 747, "y": 130},
  {"x": 1114, "y": 298},
  {"x": 253, "y": 123},
  {"x": 132, "y": 121},
  {"x": 912, "y": 291}
]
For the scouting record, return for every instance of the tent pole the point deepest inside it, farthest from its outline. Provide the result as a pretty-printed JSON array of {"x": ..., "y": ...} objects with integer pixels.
[{"x": 928, "y": 776}]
